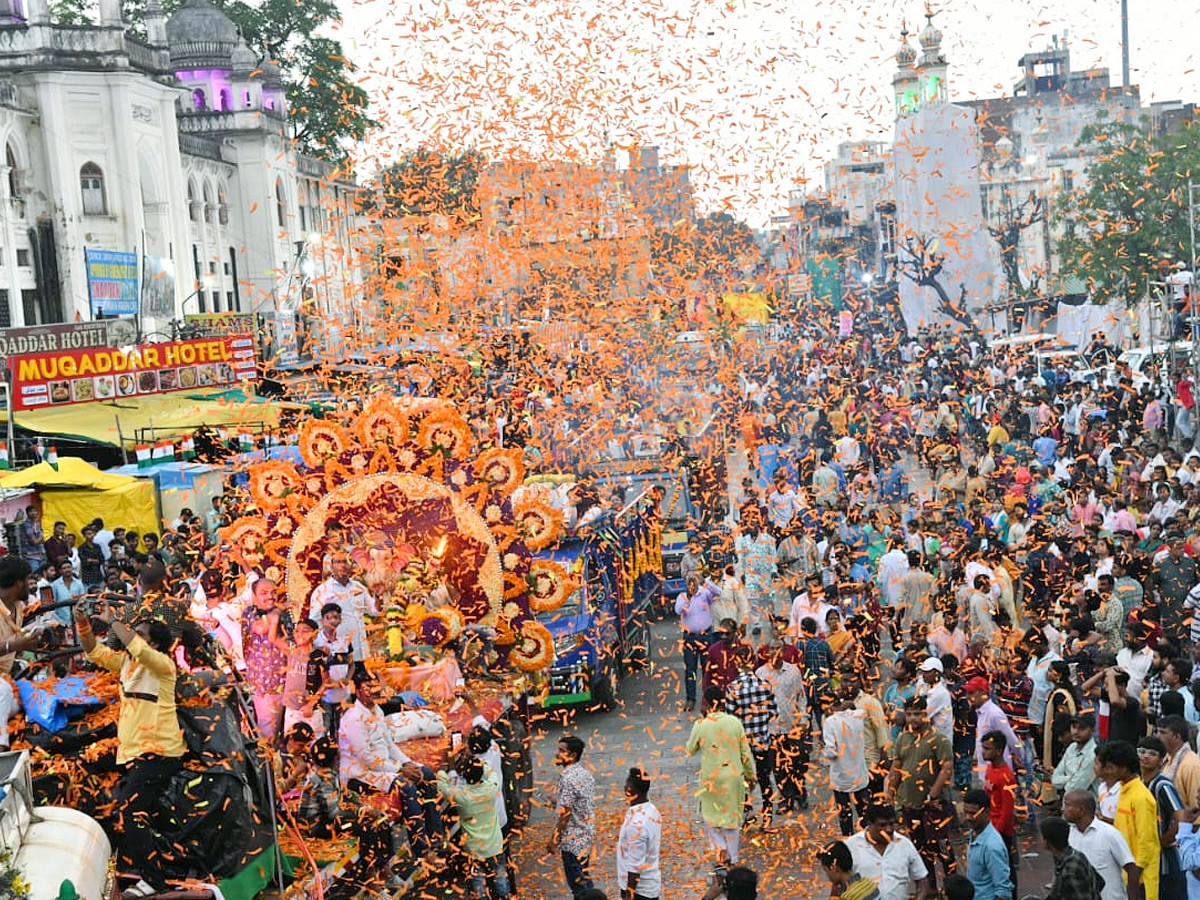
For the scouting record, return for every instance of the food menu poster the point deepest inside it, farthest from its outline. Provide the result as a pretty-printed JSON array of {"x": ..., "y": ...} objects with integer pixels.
[{"x": 110, "y": 373}]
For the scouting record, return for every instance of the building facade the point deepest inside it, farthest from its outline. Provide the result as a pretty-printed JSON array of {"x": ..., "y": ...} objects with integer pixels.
[{"x": 163, "y": 163}]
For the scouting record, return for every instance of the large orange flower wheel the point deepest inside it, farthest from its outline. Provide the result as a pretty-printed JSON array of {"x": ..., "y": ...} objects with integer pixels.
[{"x": 400, "y": 487}]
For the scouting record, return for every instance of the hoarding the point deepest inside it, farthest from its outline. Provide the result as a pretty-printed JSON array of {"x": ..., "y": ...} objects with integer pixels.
[
  {"x": 59, "y": 338},
  {"x": 110, "y": 373},
  {"x": 112, "y": 278}
]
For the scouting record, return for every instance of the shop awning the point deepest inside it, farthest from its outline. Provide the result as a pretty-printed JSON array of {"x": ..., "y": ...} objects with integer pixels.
[
  {"x": 70, "y": 472},
  {"x": 170, "y": 415}
]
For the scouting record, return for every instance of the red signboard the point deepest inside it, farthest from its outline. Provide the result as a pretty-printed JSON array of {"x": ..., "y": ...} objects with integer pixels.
[{"x": 110, "y": 373}]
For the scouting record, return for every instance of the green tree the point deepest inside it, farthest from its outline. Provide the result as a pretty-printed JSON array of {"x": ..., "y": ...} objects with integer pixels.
[
  {"x": 327, "y": 109},
  {"x": 427, "y": 182},
  {"x": 1132, "y": 216}
]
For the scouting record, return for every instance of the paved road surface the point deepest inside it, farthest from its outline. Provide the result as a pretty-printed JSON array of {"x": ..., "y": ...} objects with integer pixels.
[{"x": 650, "y": 730}]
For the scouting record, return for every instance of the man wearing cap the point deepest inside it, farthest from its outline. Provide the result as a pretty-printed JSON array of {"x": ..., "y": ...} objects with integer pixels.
[
  {"x": 1076, "y": 770},
  {"x": 938, "y": 704},
  {"x": 990, "y": 717}
]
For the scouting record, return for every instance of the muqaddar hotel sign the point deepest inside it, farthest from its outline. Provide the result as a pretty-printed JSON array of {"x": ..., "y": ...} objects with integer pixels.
[{"x": 108, "y": 373}]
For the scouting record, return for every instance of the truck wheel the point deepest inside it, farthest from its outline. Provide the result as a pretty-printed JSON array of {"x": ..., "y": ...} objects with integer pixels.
[{"x": 607, "y": 690}]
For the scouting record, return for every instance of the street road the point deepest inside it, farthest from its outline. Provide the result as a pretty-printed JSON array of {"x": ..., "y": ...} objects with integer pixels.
[{"x": 650, "y": 730}]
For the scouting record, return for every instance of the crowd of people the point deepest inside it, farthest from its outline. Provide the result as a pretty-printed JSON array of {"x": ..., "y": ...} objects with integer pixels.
[
  {"x": 956, "y": 605},
  {"x": 962, "y": 598}
]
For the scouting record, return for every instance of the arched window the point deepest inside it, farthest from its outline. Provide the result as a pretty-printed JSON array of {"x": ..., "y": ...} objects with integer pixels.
[
  {"x": 222, "y": 206},
  {"x": 280, "y": 203},
  {"x": 91, "y": 184},
  {"x": 209, "y": 203},
  {"x": 14, "y": 178},
  {"x": 193, "y": 203},
  {"x": 302, "y": 204},
  {"x": 226, "y": 100},
  {"x": 199, "y": 101}
]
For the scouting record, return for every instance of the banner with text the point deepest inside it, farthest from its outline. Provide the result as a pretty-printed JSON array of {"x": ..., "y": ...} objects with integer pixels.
[
  {"x": 106, "y": 373},
  {"x": 112, "y": 278}
]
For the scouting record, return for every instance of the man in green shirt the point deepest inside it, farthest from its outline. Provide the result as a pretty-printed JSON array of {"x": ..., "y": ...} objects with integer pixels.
[
  {"x": 922, "y": 767},
  {"x": 474, "y": 795}
]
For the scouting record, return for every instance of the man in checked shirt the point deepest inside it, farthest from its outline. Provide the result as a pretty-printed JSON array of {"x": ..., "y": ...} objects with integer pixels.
[{"x": 753, "y": 703}]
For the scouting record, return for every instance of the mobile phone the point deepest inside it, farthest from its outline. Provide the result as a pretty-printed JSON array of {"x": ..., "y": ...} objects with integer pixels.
[{"x": 455, "y": 740}]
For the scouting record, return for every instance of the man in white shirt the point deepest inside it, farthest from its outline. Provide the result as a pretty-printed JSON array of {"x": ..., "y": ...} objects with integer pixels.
[
  {"x": 103, "y": 538},
  {"x": 1105, "y": 847},
  {"x": 938, "y": 703},
  {"x": 810, "y": 604},
  {"x": 889, "y": 859},
  {"x": 352, "y": 596},
  {"x": 893, "y": 566},
  {"x": 1135, "y": 658},
  {"x": 369, "y": 761},
  {"x": 639, "y": 842}
]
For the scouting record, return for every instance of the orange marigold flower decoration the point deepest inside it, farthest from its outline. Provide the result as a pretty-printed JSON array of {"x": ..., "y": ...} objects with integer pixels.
[
  {"x": 441, "y": 626},
  {"x": 534, "y": 649},
  {"x": 445, "y": 431},
  {"x": 549, "y": 585},
  {"x": 247, "y": 539},
  {"x": 272, "y": 482},
  {"x": 538, "y": 522},
  {"x": 382, "y": 422},
  {"x": 502, "y": 469},
  {"x": 321, "y": 439}
]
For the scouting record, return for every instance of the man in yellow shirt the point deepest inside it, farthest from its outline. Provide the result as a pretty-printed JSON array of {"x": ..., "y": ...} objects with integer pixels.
[
  {"x": 1137, "y": 810},
  {"x": 149, "y": 742}
]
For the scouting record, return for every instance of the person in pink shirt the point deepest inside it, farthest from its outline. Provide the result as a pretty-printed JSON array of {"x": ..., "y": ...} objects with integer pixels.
[{"x": 1123, "y": 519}]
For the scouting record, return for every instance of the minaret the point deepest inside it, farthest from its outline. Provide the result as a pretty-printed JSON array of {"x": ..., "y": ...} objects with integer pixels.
[
  {"x": 156, "y": 24},
  {"x": 932, "y": 64},
  {"x": 904, "y": 82}
]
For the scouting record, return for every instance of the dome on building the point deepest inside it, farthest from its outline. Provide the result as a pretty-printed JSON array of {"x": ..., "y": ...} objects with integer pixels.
[
  {"x": 930, "y": 37},
  {"x": 200, "y": 36},
  {"x": 905, "y": 54},
  {"x": 244, "y": 59}
]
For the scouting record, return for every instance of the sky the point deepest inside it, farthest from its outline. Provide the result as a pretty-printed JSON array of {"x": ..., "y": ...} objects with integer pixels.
[{"x": 754, "y": 96}]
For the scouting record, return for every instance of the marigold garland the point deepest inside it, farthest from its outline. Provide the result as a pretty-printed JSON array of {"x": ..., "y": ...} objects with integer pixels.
[
  {"x": 535, "y": 648},
  {"x": 247, "y": 539},
  {"x": 502, "y": 469},
  {"x": 382, "y": 422},
  {"x": 322, "y": 440},
  {"x": 549, "y": 585},
  {"x": 445, "y": 432},
  {"x": 273, "y": 482},
  {"x": 538, "y": 522}
]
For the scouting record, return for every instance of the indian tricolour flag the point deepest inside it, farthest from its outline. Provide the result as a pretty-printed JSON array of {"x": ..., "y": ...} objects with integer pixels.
[
  {"x": 144, "y": 455},
  {"x": 4, "y": 463}
]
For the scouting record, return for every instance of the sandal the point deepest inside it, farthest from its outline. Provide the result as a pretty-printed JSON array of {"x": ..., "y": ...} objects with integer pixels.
[{"x": 139, "y": 891}]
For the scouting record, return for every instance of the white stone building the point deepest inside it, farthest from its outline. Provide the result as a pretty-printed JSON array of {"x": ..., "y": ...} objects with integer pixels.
[{"x": 174, "y": 148}]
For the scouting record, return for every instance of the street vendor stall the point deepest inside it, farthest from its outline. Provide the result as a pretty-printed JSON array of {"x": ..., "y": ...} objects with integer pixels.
[{"x": 76, "y": 492}]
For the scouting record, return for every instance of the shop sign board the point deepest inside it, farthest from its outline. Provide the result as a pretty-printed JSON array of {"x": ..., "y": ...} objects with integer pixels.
[
  {"x": 108, "y": 373},
  {"x": 61, "y": 338}
]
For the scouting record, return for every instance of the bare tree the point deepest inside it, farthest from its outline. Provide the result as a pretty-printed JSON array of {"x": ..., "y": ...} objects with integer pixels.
[
  {"x": 1012, "y": 221},
  {"x": 923, "y": 266}
]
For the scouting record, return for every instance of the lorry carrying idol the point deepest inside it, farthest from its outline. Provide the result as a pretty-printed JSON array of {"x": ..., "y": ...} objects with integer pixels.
[{"x": 596, "y": 589}]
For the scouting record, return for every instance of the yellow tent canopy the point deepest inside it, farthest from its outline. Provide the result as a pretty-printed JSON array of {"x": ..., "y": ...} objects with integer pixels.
[
  {"x": 77, "y": 492},
  {"x": 72, "y": 472},
  {"x": 170, "y": 415}
]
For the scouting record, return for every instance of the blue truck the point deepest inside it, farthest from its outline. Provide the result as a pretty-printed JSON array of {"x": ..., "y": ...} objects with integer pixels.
[{"x": 603, "y": 628}]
